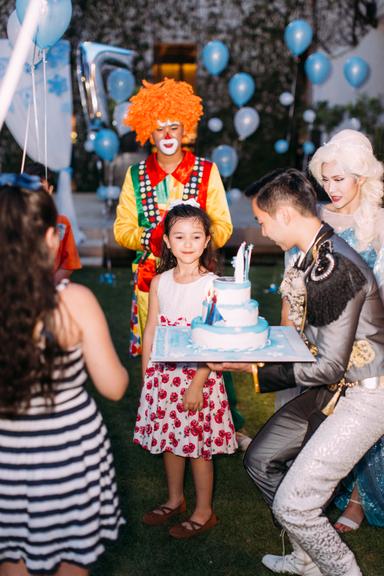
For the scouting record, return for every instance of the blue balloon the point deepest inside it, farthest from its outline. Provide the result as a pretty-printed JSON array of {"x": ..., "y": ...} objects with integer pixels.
[
  {"x": 226, "y": 159},
  {"x": 308, "y": 147},
  {"x": 356, "y": 71},
  {"x": 215, "y": 57},
  {"x": 106, "y": 144},
  {"x": 241, "y": 88},
  {"x": 108, "y": 192},
  {"x": 298, "y": 36},
  {"x": 318, "y": 67},
  {"x": 54, "y": 19},
  {"x": 120, "y": 84},
  {"x": 281, "y": 146}
]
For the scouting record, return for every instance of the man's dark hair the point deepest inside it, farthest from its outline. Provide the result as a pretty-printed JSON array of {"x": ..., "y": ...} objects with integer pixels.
[
  {"x": 38, "y": 169},
  {"x": 288, "y": 187},
  {"x": 257, "y": 185}
]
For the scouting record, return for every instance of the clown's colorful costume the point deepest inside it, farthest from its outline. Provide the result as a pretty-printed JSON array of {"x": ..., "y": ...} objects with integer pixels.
[
  {"x": 146, "y": 195},
  {"x": 148, "y": 190}
]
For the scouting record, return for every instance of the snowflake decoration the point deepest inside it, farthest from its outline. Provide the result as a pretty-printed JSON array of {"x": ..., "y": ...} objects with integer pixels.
[
  {"x": 58, "y": 54},
  {"x": 26, "y": 97},
  {"x": 57, "y": 85}
]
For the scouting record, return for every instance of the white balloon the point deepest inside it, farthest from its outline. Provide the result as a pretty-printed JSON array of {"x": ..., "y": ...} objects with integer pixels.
[
  {"x": 355, "y": 123},
  {"x": 246, "y": 121},
  {"x": 309, "y": 116},
  {"x": 215, "y": 124},
  {"x": 13, "y": 29},
  {"x": 89, "y": 144},
  {"x": 119, "y": 114},
  {"x": 234, "y": 194},
  {"x": 286, "y": 98}
]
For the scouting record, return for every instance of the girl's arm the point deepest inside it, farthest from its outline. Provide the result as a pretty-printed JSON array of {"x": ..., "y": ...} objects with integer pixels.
[
  {"x": 193, "y": 396},
  {"x": 152, "y": 320},
  {"x": 81, "y": 320}
]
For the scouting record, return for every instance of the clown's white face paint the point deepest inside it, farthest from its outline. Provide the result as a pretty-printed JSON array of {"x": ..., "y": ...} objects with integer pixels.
[{"x": 168, "y": 136}]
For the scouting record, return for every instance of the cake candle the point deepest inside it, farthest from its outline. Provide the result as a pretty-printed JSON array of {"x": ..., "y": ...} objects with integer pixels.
[
  {"x": 239, "y": 265},
  {"x": 248, "y": 260}
]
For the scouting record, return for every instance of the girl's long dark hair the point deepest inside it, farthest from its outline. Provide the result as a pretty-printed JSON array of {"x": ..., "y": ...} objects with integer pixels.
[
  {"x": 28, "y": 298},
  {"x": 208, "y": 259}
]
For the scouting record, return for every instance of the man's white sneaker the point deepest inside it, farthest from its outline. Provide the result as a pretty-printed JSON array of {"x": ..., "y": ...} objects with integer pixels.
[{"x": 290, "y": 564}]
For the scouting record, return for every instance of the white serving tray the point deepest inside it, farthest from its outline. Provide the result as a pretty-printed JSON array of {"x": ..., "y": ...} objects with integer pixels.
[{"x": 173, "y": 344}]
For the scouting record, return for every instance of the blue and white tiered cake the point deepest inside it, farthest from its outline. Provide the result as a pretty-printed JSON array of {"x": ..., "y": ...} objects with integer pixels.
[{"x": 230, "y": 318}]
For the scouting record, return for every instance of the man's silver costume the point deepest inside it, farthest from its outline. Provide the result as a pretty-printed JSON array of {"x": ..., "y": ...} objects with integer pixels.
[{"x": 343, "y": 320}]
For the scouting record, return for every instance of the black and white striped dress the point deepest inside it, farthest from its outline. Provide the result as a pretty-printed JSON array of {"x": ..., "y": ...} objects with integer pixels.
[{"x": 58, "y": 496}]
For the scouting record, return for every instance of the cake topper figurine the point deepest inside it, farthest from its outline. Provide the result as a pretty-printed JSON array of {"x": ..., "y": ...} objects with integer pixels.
[
  {"x": 213, "y": 315},
  {"x": 242, "y": 262}
]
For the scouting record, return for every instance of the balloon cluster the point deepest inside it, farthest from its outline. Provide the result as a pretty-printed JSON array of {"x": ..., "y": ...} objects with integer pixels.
[
  {"x": 241, "y": 88},
  {"x": 54, "y": 19},
  {"x": 55, "y": 16},
  {"x": 318, "y": 68}
]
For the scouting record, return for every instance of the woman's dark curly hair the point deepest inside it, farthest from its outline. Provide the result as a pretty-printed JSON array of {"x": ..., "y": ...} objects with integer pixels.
[
  {"x": 208, "y": 259},
  {"x": 28, "y": 298}
]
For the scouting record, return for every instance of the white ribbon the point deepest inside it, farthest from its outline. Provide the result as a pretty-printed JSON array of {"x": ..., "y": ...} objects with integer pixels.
[{"x": 189, "y": 202}]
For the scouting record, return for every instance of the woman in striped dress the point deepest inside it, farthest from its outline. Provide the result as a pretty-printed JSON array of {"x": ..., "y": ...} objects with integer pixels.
[{"x": 58, "y": 498}]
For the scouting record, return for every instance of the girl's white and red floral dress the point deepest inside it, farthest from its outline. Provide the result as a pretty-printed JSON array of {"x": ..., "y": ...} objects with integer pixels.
[{"x": 162, "y": 425}]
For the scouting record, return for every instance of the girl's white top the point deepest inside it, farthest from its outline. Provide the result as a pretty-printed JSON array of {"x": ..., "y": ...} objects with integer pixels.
[{"x": 182, "y": 300}]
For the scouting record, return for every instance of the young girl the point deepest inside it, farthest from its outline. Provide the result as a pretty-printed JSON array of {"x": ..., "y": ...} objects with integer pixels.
[
  {"x": 183, "y": 411},
  {"x": 58, "y": 499}
]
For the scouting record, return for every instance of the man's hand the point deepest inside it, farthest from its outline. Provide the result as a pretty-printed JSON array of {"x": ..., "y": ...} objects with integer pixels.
[
  {"x": 193, "y": 398},
  {"x": 231, "y": 367}
]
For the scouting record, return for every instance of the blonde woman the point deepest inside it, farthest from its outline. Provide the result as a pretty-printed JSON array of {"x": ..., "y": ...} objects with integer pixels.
[{"x": 353, "y": 179}]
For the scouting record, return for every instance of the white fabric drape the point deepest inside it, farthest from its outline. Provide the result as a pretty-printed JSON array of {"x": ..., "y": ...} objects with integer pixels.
[{"x": 59, "y": 119}]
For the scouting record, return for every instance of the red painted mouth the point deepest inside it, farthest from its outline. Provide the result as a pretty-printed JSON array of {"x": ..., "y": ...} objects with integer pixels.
[{"x": 336, "y": 198}]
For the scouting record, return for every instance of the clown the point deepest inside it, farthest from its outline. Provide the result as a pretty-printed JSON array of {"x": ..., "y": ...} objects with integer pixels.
[{"x": 163, "y": 113}]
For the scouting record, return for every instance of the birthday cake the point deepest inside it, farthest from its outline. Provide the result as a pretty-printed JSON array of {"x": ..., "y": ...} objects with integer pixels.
[{"x": 230, "y": 318}]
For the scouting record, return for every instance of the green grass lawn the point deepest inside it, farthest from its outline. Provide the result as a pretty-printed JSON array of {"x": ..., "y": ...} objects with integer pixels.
[{"x": 245, "y": 531}]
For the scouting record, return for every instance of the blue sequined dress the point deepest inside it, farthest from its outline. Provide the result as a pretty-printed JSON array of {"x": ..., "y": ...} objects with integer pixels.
[{"x": 368, "y": 474}]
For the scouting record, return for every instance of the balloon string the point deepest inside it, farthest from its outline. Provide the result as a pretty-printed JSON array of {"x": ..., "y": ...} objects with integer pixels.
[
  {"x": 26, "y": 138},
  {"x": 28, "y": 116},
  {"x": 293, "y": 105},
  {"x": 109, "y": 173},
  {"x": 35, "y": 110},
  {"x": 45, "y": 113}
]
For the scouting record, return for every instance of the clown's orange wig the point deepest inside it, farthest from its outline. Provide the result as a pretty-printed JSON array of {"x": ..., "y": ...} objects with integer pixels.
[{"x": 166, "y": 100}]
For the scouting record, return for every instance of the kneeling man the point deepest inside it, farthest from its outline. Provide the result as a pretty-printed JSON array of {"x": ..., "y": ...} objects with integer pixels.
[{"x": 335, "y": 302}]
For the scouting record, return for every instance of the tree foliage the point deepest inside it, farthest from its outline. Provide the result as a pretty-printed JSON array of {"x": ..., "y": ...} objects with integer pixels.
[{"x": 252, "y": 29}]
